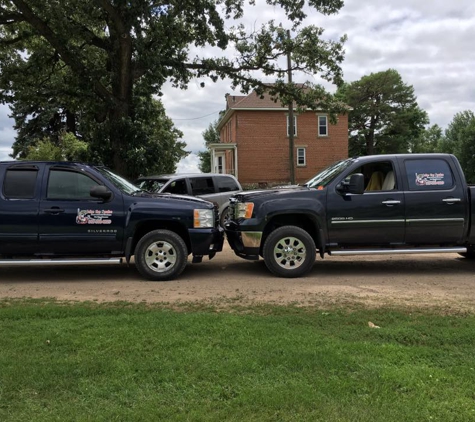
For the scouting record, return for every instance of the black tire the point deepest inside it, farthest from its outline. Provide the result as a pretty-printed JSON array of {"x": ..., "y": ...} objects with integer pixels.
[
  {"x": 224, "y": 216},
  {"x": 161, "y": 255},
  {"x": 299, "y": 257}
]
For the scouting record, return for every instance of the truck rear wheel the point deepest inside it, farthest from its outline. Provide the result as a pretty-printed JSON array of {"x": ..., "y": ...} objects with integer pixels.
[
  {"x": 289, "y": 251},
  {"x": 161, "y": 255}
]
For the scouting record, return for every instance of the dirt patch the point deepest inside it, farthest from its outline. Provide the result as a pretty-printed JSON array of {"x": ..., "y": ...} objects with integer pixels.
[{"x": 444, "y": 281}]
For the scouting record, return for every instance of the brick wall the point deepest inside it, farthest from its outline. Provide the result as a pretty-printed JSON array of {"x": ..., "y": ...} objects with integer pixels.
[{"x": 263, "y": 145}]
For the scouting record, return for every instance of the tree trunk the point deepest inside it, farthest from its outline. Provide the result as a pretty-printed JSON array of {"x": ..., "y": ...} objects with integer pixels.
[
  {"x": 121, "y": 112},
  {"x": 370, "y": 137},
  {"x": 369, "y": 144},
  {"x": 70, "y": 122}
]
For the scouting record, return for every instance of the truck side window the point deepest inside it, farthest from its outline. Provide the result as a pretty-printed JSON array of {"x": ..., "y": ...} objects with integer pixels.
[
  {"x": 226, "y": 184},
  {"x": 69, "y": 185},
  {"x": 433, "y": 174},
  {"x": 20, "y": 183},
  {"x": 379, "y": 176},
  {"x": 202, "y": 185}
]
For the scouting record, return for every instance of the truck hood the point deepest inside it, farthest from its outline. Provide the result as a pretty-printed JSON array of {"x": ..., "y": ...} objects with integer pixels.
[
  {"x": 155, "y": 197},
  {"x": 275, "y": 192}
]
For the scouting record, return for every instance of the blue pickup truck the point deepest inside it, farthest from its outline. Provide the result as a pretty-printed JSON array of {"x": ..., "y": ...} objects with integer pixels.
[
  {"x": 385, "y": 204},
  {"x": 73, "y": 213}
]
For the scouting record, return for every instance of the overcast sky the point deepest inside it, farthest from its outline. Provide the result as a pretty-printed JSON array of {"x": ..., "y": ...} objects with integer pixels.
[{"x": 430, "y": 43}]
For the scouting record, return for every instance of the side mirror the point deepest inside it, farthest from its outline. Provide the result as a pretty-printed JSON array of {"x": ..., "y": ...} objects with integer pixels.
[
  {"x": 100, "y": 192},
  {"x": 355, "y": 185}
]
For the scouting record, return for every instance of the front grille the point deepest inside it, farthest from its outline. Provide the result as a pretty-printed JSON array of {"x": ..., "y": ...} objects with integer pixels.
[
  {"x": 233, "y": 205},
  {"x": 216, "y": 215}
]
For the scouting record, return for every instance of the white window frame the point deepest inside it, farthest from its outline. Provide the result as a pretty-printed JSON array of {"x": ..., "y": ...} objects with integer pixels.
[
  {"x": 320, "y": 116},
  {"x": 295, "y": 124},
  {"x": 304, "y": 156}
]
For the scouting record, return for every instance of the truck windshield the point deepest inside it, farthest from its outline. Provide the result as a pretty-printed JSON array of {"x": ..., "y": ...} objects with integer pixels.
[
  {"x": 323, "y": 178},
  {"x": 118, "y": 181}
]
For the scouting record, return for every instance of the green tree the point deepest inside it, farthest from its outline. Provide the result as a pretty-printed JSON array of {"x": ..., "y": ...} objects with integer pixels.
[
  {"x": 67, "y": 148},
  {"x": 95, "y": 60},
  {"x": 384, "y": 114},
  {"x": 205, "y": 161},
  {"x": 431, "y": 139},
  {"x": 210, "y": 136},
  {"x": 460, "y": 140}
]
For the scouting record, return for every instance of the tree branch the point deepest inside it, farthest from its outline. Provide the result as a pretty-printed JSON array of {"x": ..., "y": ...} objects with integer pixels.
[
  {"x": 93, "y": 38},
  {"x": 13, "y": 41},
  {"x": 7, "y": 18},
  {"x": 116, "y": 19},
  {"x": 68, "y": 57}
]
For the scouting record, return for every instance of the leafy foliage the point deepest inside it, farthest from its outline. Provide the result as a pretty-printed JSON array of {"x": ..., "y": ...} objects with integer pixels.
[
  {"x": 384, "y": 114},
  {"x": 68, "y": 148},
  {"x": 430, "y": 140},
  {"x": 460, "y": 140},
  {"x": 210, "y": 136},
  {"x": 88, "y": 66}
]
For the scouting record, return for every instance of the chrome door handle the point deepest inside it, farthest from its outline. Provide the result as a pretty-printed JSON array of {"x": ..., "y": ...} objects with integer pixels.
[
  {"x": 451, "y": 200},
  {"x": 391, "y": 202}
]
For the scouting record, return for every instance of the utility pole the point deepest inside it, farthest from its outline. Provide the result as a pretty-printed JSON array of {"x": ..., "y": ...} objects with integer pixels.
[{"x": 291, "y": 118}]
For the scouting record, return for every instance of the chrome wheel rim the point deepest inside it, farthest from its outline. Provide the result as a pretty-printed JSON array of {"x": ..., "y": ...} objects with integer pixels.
[
  {"x": 160, "y": 256},
  {"x": 290, "y": 253}
]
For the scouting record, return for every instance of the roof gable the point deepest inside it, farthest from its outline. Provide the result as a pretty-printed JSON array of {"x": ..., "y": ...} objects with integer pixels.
[{"x": 252, "y": 101}]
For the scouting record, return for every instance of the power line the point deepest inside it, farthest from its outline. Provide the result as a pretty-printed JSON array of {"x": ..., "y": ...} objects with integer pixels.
[{"x": 201, "y": 117}]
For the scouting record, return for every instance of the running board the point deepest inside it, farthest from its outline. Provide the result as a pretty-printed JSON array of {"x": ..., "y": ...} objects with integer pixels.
[
  {"x": 91, "y": 261},
  {"x": 396, "y": 251}
]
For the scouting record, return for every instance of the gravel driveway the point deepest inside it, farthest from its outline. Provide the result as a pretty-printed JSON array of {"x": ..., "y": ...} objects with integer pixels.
[{"x": 444, "y": 281}]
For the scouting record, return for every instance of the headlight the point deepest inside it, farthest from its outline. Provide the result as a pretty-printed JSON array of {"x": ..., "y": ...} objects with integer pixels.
[
  {"x": 203, "y": 219},
  {"x": 244, "y": 209}
]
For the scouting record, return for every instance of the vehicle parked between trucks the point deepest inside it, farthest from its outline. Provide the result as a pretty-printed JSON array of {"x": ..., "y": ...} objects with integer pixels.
[
  {"x": 384, "y": 204},
  {"x": 213, "y": 187},
  {"x": 75, "y": 213}
]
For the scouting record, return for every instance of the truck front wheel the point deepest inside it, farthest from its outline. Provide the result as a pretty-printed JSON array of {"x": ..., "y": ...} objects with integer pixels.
[
  {"x": 161, "y": 255},
  {"x": 289, "y": 251}
]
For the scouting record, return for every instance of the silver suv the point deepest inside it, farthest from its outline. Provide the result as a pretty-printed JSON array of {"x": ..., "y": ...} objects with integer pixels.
[{"x": 212, "y": 187}]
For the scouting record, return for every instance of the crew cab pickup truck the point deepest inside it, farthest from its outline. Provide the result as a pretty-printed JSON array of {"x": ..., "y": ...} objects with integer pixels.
[
  {"x": 74, "y": 213},
  {"x": 385, "y": 204}
]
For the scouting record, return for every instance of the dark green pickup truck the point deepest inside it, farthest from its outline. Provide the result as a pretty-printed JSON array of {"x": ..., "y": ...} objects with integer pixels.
[{"x": 384, "y": 204}]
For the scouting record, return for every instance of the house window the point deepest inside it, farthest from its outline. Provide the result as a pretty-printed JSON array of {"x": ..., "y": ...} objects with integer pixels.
[
  {"x": 322, "y": 126},
  {"x": 295, "y": 125},
  {"x": 301, "y": 158},
  {"x": 220, "y": 164}
]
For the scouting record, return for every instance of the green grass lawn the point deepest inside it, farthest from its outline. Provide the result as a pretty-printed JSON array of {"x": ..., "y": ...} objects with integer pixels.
[{"x": 123, "y": 362}]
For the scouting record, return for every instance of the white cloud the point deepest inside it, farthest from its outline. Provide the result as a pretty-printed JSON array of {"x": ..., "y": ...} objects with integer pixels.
[
  {"x": 7, "y": 134},
  {"x": 189, "y": 164}
]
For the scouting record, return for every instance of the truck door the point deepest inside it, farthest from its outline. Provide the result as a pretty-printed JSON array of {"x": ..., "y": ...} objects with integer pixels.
[
  {"x": 73, "y": 222},
  {"x": 19, "y": 204},
  {"x": 436, "y": 202},
  {"x": 374, "y": 218}
]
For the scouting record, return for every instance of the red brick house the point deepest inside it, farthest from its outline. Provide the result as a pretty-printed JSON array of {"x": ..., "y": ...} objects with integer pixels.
[{"x": 254, "y": 142}]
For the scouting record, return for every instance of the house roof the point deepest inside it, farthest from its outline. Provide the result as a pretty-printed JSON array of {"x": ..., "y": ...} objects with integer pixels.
[{"x": 252, "y": 101}]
